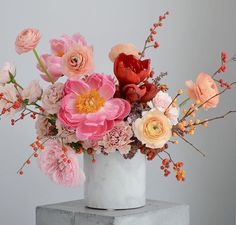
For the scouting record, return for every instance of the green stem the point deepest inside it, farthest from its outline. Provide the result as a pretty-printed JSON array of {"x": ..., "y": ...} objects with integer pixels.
[
  {"x": 184, "y": 102},
  {"x": 42, "y": 66}
]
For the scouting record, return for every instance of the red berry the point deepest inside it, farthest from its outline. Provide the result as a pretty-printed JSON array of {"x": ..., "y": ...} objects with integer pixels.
[
  {"x": 36, "y": 155},
  {"x": 21, "y": 172}
]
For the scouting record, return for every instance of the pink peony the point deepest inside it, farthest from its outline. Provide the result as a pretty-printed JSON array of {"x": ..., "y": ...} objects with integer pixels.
[
  {"x": 27, "y": 40},
  {"x": 52, "y": 65},
  {"x": 128, "y": 49},
  {"x": 118, "y": 138},
  {"x": 89, "y": 106},
  {"x": 4, "y": 73},
  {"x": 52, "y": 97},
  {"x": 61, "y": 45},
  {"x": 204, "y": 89},
  {"x": 9, "y": 96},
  {"x": 161, "y": 101},
  {"x": 33, "y": 92},
  {"x": 61, "y": 172},
  {"x": 78, "y": 61}
]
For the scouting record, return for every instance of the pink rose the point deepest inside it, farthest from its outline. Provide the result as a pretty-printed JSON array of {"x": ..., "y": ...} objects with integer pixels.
[
  {"x": 61, "y": 45},
  {"x": 52, "y": 97},
  {"x": 128, "y": 49},
  {"x": 33, "y": 92},
  {"x": 204, "y": 89},
  {"x": 161, "y": 102},
  {"x": 4, "y": 73},
  {"x": 67, "y": 173},
  {"x": 78, "y": 61},
  {"x": 52, "y": 65},
  {"x": 27, "y": 40}
]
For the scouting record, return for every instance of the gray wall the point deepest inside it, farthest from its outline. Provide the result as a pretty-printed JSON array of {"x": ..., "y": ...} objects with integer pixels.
[{"x": 191, "y": 41}]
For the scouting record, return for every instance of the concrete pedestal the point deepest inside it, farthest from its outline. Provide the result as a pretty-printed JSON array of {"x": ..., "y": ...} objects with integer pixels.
[{"x": 75, "y": 213}]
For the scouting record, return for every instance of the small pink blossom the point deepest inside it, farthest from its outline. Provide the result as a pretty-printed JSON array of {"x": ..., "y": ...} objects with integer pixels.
[
  {"x": 52, "y": 97},
  {"x": 4, "y": 73},
  {"x": 67, "y": 134},
  {"x": 89, "y": 106},
  {"x": 27, "y": 40},
  {"x": 10, "y": 96},
  {"x": 119, "y": 138},
  {"x": 52, "y": 65},
  {"x": 33, "y": 92},
  {"x": 61, "y": 172},
  {"x": 61, "y": 45},
  {"x": 161, "y": 102},
  {"x": 44, "y": 128}
]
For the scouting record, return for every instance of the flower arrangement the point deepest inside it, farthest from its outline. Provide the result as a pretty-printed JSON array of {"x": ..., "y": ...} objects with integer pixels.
[{"x": 95, "y": 113}]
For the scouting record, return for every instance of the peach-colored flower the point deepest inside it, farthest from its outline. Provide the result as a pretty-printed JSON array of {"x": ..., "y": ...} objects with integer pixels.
[
  {"x": 27, "y": 40},
  {"x": 128, "y": 49},
  {"x": 204, "y": 89},
  {"x": 78, "y": 61},
  {"x": 153, "y": 129}
]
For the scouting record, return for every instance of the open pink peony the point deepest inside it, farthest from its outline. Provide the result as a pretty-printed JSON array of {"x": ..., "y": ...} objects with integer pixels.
[{"x": 89, "y": 106}]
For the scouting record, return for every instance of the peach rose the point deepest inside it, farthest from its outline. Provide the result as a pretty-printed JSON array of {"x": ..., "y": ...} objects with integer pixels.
[
  {"x": 78, "y": 61},
  {"x": 204, "y": 89},
  {"x": 27, "y": 40},
  {"x": 153, "y": 129},
  {"x": 128, "y": 49}
]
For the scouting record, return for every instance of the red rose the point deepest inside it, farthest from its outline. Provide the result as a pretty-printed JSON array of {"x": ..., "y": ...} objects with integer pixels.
[{"x": 130, "y": 70}]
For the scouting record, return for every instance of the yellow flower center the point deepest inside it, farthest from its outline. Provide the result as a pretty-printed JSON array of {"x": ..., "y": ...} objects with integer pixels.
[
  {"x": 153, "y": 128},
  {"x": 89, "y": 102}
]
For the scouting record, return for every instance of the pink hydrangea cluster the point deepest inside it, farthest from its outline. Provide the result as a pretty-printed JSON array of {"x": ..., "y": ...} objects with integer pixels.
[{"x": 65, "y": 172}]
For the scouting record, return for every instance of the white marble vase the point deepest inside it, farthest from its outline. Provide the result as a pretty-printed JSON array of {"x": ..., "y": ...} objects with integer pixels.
[{"x": 113, "y": 182}]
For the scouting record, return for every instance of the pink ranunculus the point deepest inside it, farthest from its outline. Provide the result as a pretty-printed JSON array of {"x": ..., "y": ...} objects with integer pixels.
[
  {"x": 119, "y": 138},
  {"x": 89, "y": 106},
  {"x": 161, "y": 102},
  {"x": 52, "y": 97},
  {"x": 128, "y": 49},
  {"x": 203, "y": 89},
  {"x": 33, "y": 92},
  {"x": 27, "y": 40},
  {"x": 61, "y": 45},
  {"x": 4, "y": 73},
  {"x": 66, "y": 173},
  {"x": 78, "y": 61},
  {"x": 52, "y": 65}
]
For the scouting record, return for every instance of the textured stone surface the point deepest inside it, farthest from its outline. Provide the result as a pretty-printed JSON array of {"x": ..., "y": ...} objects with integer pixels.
[
  {"x": 75, "y": 213},
  {"x": 120, "y": 184}
]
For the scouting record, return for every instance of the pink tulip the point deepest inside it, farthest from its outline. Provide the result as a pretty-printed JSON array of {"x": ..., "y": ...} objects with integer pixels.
[{"x": 52, "y": 65}]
